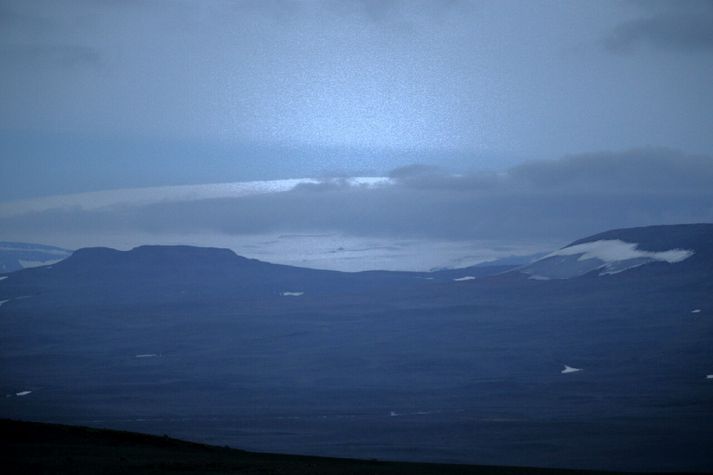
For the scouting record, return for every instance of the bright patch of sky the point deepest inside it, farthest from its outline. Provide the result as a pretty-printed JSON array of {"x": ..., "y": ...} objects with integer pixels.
[{"x": 103, "y": 95}]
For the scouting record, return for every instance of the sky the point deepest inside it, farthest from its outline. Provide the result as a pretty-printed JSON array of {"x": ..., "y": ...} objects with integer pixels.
[{"x": 492, "y": 127}]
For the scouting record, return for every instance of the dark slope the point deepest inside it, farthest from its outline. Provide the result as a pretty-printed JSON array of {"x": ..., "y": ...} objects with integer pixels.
[{"x": 57, "y": 449}]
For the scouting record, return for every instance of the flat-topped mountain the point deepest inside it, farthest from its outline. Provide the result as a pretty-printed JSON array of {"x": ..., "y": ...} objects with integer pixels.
[{"x": 149, "y": 256}]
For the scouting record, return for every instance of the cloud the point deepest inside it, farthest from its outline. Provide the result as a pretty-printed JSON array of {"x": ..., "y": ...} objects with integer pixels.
[
  {"x": 480, "y": 77},
  {"x": 28, "y": 40},
  {"x": 556, "y": 200},
  {"x": 678, "y": 26},
  {"x": 635, "y": 171},
  {"x": 12, "y": 17},
  {"x": 384, "y": 12}
]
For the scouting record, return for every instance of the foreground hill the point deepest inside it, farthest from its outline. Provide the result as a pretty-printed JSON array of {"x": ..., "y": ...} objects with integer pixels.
[
  {"x": 606, "y": 369},
  {"x": 55, "y": 449}
]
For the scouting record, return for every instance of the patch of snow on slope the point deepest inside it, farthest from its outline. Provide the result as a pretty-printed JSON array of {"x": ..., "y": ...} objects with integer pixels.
[
  {"x": 147, "y": 355},
  {"x": 614, "y": 250},
  {"x": 3, "y": 302},
  {"x": 292, "y": 294},
  {"x": 3, "y": 277},
  {"x": 696, "y": 310},
  {"x": 30, "y": 264},
  {"x": 23, "y": 393},
  {"x": 56, "y": 252},
  {"x": 569, "y": 369},
  {"x": 606, "y": 257},
  {"x": 461, "y": 279}
]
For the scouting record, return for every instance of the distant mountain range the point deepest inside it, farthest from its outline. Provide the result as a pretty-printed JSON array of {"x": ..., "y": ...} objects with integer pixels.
[{"x": 596, "y": 356}]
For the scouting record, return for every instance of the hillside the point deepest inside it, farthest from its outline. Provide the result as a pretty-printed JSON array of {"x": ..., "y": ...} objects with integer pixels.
[{"x": 604, "y": 370}]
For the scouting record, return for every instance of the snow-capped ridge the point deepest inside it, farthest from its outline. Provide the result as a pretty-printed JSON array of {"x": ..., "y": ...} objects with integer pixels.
[
  {"x": 605, "y": 256},
  {"x": 615, "y": 250}
]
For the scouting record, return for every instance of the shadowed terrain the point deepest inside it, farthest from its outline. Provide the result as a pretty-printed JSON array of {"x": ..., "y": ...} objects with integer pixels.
[
  {"x": 48, "y": 448},
  {"x": 204, "y": 345}
]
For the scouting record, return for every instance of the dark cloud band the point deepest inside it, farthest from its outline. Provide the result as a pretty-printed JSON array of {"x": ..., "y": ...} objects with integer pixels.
[{"x": 559, "y": 199}]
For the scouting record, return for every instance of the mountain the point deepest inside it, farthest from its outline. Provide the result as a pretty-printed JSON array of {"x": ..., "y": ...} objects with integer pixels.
[
  {"x": 621, "y": 250},
  {"x": 20, "y": 255},
  {"x": 174, "y": 274},
  {"x": 600, "y": 370}
]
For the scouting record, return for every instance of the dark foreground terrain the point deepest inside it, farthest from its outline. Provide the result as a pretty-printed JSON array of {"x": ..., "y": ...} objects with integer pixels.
[
  {"x": 29, "y": 447},
  {"x": 563, "y": 363}
]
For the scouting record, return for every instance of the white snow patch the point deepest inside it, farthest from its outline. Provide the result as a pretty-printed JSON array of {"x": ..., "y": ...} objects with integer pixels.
[
  {"x": 461, "y": 279},
  {"x": 569, "y": 369},
  {"x": 291, "y": 294},
  {"x": 609, "y": 271},
  {"x": 613, "y": 250},
  {"x": 709, "y": 376},
  {"x": 147, "y": 355},
  {"x": 56, "y": 252},
  {"x": 30, "y": 264},
  {"x": 23, "y": 393},
  {"x": 538, "y": 277},
  {"x": 3, "y": 277},
  {"x": 696, "y": 310},
  {"x": 3, "y": 301},
  {"x": 414, "y": 413}
]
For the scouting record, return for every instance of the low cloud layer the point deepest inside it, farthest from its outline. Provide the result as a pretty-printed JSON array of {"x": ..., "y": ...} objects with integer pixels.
[
  {"x": 672, "y": 25},
  {"x": 544, "y": 201}
]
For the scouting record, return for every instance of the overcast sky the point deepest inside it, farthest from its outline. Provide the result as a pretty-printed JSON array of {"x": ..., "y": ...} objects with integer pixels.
[{"x": 495, "y": 120}]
